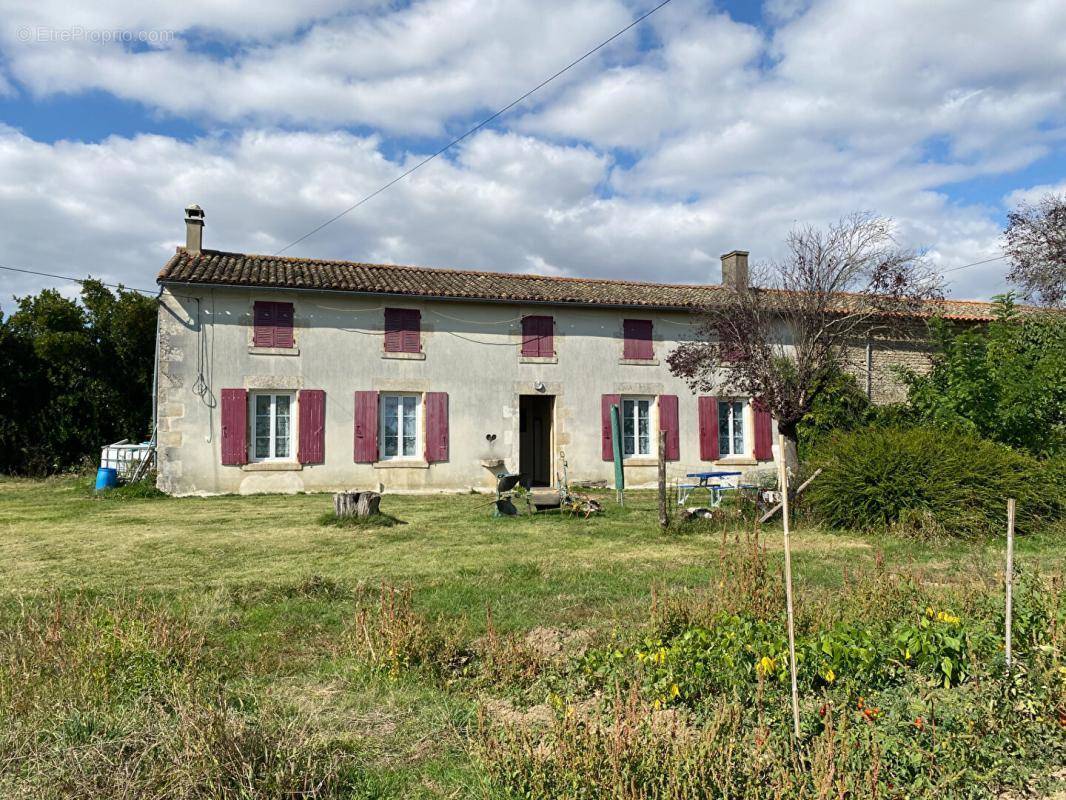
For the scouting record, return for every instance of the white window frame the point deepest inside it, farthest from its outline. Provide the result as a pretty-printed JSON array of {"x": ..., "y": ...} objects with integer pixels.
[
  {"x": 273, "y": 395},
  {"x": 633, "y": 402},
  {"x": 725, "y": 448},
  {"x": 417, "y": 455}
]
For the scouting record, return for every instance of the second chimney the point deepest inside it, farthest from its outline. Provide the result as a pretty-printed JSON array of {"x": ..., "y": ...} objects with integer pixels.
[
  {"x": 735, "y": 270},
  {"x": 194, "y": 228}
]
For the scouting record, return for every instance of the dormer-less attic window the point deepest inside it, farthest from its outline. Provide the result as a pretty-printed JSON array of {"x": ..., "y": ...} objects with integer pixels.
[
  {"x": 403, "y": 330},
  {"x": 273, "y": 325}
]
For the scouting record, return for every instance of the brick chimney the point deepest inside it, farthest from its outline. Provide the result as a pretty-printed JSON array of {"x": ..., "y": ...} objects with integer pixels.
[
  {"x": 735, "y": 269},
  {"x": 194, "y": 228}
]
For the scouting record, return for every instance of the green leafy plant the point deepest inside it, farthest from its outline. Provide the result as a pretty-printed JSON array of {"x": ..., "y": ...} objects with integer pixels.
[
  {"x": 1006, "y": 383},
  {"x": 929, "y": 482}
]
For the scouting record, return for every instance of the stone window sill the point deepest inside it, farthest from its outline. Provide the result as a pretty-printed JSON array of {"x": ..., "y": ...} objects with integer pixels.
[
  {"x": 274, "y": 351},
  {"x": 639, "y": 362},
  {"x": 405, "y": 356},
  {"x": 272, "y": 466},
  {"x": 538, "y": 359},
  {"x": 401, "y": 463},
  {"x": 736, "y": 461},
  {"x": 642, "y": 461}
]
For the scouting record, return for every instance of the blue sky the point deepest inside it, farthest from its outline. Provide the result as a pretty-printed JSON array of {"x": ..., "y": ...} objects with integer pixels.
[{"x": 710, "y": 127}]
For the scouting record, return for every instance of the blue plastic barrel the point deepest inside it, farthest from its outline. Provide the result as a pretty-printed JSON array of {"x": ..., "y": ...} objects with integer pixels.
[{"x": 106, "y": 478}]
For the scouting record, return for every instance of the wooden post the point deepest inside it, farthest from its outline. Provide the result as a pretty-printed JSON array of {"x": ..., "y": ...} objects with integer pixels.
[
  {"x": 1009, "y": 580},
  {"x": 783, "y": 479},
  {"x": 663, "y": 520}
]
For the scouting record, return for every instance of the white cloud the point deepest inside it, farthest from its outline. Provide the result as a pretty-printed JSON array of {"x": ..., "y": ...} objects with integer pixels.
[
  {"x": 641, "y": 163},
  {"x": 407, "y": 70}
]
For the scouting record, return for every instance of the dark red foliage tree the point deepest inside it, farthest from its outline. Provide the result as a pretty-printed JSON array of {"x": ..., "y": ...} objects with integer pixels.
[
  {"x": 1035, "y": 244},
  {"x": 785, "y": 338}
]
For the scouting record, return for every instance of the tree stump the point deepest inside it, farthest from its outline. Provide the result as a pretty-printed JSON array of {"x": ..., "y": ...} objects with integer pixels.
[{"x": 356, "y": 504}]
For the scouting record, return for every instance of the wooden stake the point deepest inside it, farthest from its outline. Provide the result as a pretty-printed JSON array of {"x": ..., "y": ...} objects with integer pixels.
[
  {"x": 663, "y": 520},
  {"x": 1009, "y": 579},
  {"x": 783, "y": 479}
]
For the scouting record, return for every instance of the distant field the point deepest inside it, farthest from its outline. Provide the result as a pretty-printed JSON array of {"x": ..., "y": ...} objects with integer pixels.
[{"x": 275, "y": 593}]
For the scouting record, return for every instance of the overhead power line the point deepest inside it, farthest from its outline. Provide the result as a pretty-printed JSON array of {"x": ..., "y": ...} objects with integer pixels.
[
  {"x": 79, "y": 280},
  {"x": 475, "y": 129},
  {"x": 974, "y": 264}
]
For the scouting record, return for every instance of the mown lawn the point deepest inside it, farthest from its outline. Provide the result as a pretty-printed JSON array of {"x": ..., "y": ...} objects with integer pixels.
[{"x": 275, "y": 590}]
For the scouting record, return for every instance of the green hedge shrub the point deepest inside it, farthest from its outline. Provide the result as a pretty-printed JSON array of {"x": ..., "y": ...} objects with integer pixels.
[{"x": 931, "y": 483}]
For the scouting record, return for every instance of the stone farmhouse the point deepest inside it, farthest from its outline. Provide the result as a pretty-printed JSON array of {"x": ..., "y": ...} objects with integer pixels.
[{"x": 279, "y": 374}]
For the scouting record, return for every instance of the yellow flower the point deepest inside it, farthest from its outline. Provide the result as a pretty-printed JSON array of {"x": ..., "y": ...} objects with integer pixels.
[
  {"x": 675, "y": 691},
  {"x": 766, "y": 665},
  {"x": 945, "y": 616},
  {"x": 830, "y": 676}
]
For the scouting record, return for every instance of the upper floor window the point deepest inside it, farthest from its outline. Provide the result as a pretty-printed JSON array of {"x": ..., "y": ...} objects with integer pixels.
[
  {"x": 538, "y": 340},
  {"x": 403, "y": 330},
  {"x": 636, "y": 426},
  {"x": 731, "y": 428},
  {"x": 400, "y": 425},
  {"x": 271, "y": 426},
  {"x": 638, "y": 342},
  {"x": 273, "y": 325}
]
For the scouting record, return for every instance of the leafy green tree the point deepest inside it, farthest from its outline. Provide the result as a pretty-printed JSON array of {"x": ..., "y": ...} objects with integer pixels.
[
  {"x": 73, "y": 376},
  {"x": 1006, "y": 383}
]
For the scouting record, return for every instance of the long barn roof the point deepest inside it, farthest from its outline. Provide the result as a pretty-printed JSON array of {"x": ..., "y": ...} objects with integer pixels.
[{"x": 219, "y": 268}]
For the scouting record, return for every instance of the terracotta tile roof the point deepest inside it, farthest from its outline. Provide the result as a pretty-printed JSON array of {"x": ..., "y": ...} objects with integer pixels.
[{"x": 215, "y": 267}]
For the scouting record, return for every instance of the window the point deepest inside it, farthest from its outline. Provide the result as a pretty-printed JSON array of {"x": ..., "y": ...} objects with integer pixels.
[
  {"x": 403, "y": 330},
  {"x": 731, "y": 428},
  {"x": 538, "y": 339},
  {"x": 636, "y": 427},
  {"x": 272, "y": 323},
  {"x": 638, "y": 339},
  {"x": 272, "y": 427},
  {"x": 400, "y": 425}
]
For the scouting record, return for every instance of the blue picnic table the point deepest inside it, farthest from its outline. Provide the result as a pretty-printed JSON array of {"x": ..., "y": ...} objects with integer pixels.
[{"x": 712, "y": 482}]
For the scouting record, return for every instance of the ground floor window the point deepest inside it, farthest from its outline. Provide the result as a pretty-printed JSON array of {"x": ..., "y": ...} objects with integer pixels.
[
  {"x": 636, "y": 426},
  {"x": 731, "y": 428},
  {"x": 400, "y": 425},
  {"x": 272, "y": 426}
]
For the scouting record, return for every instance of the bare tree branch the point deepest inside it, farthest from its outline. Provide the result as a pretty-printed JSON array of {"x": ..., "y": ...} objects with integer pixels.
[{"x": 782, "y": 339}]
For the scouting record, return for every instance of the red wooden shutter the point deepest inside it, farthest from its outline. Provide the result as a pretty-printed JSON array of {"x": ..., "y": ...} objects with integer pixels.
[
  {"x": 668, "y": 423},
  {"x": 393, "y": 330},
  {"x": 366, "y": 427},
  {"x": 436, "y": 426},
  {"x": 412, "y": 331},
  {"x": 606, "y": 439},
  {"x": 708, "y": 413},
  {"x": 264, "y": 319},
  {"x": 312, "y": 449},
  {"x": 234, "y": 426},
  {"x": 764, "y": 434},
  {"x": 547, "y": 337},
  {"x": 530, "y": 336},
  {"x": 283, "y": 325},
  {"x": 638, "y": 343}
]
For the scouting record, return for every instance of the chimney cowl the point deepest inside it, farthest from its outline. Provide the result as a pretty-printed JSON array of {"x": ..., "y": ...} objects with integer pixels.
[
  {"x": 735, "y": 270},
  {"x": 194, "y": 228}
]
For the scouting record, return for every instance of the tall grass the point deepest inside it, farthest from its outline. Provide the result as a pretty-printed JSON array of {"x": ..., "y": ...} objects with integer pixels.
[{"x": 121, "y": 699}]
